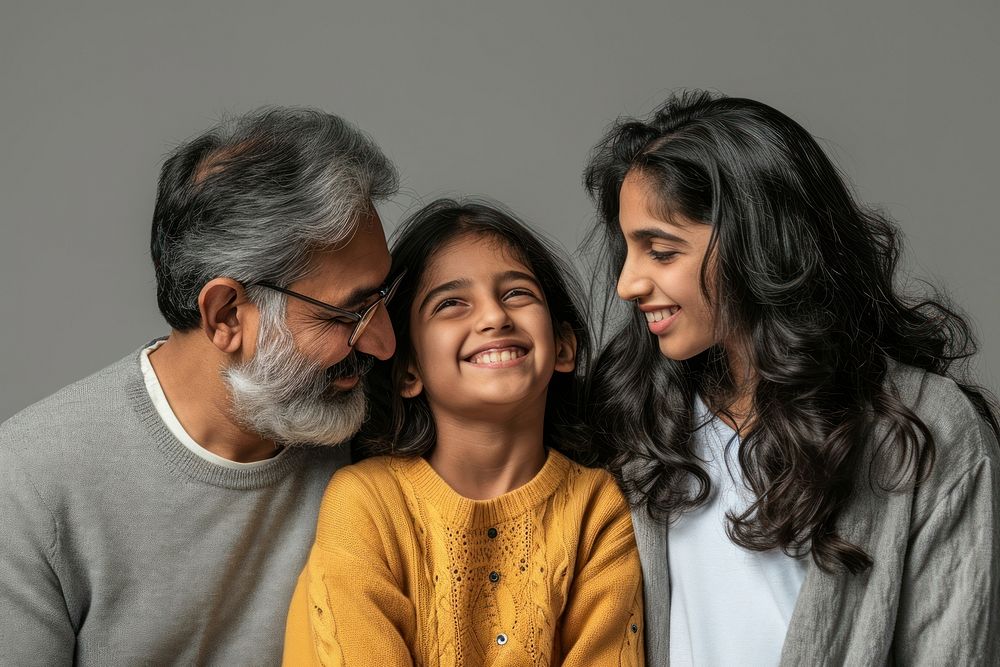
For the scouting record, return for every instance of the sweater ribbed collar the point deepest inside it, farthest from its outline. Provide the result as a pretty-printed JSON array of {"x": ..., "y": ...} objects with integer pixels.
[
  {"x": 457, "y": 509},
  {"x": 186, "y": 462}
]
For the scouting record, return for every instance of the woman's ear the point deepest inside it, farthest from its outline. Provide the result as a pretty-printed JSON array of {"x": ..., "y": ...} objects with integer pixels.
[
  {"x": 222, "y": 302},
  {"x": 412, "y": 384},
  {"x": 565, "y": 348}
]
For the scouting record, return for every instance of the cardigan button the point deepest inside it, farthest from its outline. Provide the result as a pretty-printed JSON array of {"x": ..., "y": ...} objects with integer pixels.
[
  {"x": 494, "y": 577},
  {"x": 501, "y": 639},
  {"x": 635, "y": 628},
  {"x": 491, "y": 533}
]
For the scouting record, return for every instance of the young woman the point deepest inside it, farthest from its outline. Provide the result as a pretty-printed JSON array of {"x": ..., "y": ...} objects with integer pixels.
[
  {"x": 831, "y": 486},
  {"x": 474, "y": 539}
]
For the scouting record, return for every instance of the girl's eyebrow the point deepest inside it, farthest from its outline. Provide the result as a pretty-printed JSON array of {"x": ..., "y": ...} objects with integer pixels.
[
  {"x": 518, "y": 275},
  {"x": 647, "y": 233},
  {"x": 444, "y": 287}
]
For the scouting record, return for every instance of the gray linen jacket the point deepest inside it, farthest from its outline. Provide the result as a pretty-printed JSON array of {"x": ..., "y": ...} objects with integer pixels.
[{"x": 932, "y": 596}]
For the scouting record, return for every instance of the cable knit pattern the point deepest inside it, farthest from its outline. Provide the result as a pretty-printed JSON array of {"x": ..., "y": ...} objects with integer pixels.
[{"x": 405, "y": 571}]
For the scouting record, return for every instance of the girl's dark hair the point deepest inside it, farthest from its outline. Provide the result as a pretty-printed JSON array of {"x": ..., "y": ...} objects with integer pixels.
[
  {"x": 405, "y": 427},
  {"x": 803, "y": 279}
]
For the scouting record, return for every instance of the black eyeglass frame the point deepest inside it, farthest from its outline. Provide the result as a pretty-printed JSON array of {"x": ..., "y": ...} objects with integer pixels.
[{"x": 361, "y": 318}]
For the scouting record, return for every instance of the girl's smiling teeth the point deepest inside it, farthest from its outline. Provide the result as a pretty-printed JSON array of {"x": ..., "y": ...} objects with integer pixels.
[
  {"x": 657, "y": 315},
  {"x": 497, "y": 355}
]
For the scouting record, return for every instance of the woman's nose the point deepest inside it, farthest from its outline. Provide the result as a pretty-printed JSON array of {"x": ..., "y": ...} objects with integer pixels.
[{"x": 633, "y": 285}]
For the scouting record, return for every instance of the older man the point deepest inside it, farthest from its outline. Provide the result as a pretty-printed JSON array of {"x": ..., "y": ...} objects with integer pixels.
[{"x": 160, "y": 510}]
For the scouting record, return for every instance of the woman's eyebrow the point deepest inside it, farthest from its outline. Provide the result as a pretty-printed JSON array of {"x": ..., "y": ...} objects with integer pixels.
[
  {"x": 647, "y": 233},
  {"x": 449, "y": 286}
]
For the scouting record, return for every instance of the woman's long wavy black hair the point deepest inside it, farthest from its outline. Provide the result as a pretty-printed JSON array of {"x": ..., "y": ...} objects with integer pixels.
[
  {"x": 405, "y": 426},
  {"x": 803, "y": 280}
]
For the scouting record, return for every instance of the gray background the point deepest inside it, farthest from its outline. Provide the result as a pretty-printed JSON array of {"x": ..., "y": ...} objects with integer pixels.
[{"x": 500, "y": 98}]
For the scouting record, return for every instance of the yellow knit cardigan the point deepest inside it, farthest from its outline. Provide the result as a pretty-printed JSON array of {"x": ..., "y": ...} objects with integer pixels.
[{"x": 405, "y": 571}]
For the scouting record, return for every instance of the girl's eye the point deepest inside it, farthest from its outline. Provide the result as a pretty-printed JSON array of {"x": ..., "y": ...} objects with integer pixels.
[
  {"x": 445, "y": 303},
  {"x": 518, "y": 292}
]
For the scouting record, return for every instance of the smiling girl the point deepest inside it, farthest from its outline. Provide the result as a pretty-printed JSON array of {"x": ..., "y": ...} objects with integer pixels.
[
  {"x": 474, "y": 539},
  {"x": 832, "y": 490}
]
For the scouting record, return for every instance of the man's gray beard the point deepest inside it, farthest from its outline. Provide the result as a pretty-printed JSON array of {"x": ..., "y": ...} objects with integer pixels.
[{"x": 282, "y": 395}]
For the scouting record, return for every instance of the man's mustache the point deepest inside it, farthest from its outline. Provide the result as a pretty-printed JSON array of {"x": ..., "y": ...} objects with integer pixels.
[{"x": 355, "y": 364}]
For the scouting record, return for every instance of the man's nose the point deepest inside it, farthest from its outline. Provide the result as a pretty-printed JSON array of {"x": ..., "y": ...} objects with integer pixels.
[{"x": 378, "y": 339}]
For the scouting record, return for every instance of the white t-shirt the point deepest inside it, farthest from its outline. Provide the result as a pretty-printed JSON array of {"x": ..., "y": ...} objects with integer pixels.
[
  {"x": 169, "y": 419},
  {"x": 728, "y": 605}
]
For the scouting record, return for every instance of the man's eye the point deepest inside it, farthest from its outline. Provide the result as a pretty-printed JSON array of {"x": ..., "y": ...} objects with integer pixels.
[
  {"x": 339, "y": 319},
  {"x": 369, "y": 301}
]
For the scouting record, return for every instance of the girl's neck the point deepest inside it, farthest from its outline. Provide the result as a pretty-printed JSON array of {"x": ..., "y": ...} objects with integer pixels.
[{"x": 485, "y": 459}]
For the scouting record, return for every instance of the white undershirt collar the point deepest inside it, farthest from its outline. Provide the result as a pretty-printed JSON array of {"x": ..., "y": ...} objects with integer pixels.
[{"x": 166, "y": 414}]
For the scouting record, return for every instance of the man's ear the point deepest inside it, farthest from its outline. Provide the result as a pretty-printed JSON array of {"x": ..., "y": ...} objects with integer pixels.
[
  {"x": 223, "y": 308},
  {"x": 412, "y": 384},
  {"x": 565, "y": 348}
]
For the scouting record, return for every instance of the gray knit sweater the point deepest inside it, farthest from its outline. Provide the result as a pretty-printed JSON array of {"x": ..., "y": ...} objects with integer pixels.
[
  {"x": 932, "y": 596},
  {"x": 119, "y": 546}
]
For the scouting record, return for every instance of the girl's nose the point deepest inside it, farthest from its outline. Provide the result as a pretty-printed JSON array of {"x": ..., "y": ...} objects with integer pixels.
[{"x": 493, "y": 317}]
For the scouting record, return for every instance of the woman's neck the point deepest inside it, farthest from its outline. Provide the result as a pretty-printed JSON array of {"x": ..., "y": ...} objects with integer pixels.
[
  {"x": 738, "y": 413},
  {"x": 485, "y": 459}
]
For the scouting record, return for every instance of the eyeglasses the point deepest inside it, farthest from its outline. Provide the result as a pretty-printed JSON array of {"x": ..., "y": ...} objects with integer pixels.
[{"x": 360, "y": 319}]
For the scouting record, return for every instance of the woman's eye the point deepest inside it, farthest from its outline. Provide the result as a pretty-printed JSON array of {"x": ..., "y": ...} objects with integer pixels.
[{"x": 662, "y": 255}]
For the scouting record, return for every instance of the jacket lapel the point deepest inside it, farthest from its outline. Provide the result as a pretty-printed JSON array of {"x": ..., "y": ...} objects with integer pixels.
[{"x": 651, "y": 538}]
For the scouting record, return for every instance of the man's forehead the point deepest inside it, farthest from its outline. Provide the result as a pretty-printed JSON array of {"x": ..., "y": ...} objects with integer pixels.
[
  {"x": 368, "y": 223},
  {"x": 350, "y": 273}
]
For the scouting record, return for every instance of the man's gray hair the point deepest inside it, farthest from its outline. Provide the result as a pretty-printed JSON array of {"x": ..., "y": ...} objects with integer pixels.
[{"x": 252, "y": 198}]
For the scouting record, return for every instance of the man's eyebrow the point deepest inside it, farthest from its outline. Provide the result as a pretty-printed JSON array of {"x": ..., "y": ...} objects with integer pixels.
[
  {"x": 358, "y": 296},
  {"x": 442, "y": 288},
  {"x": 647, "y": 233}
]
